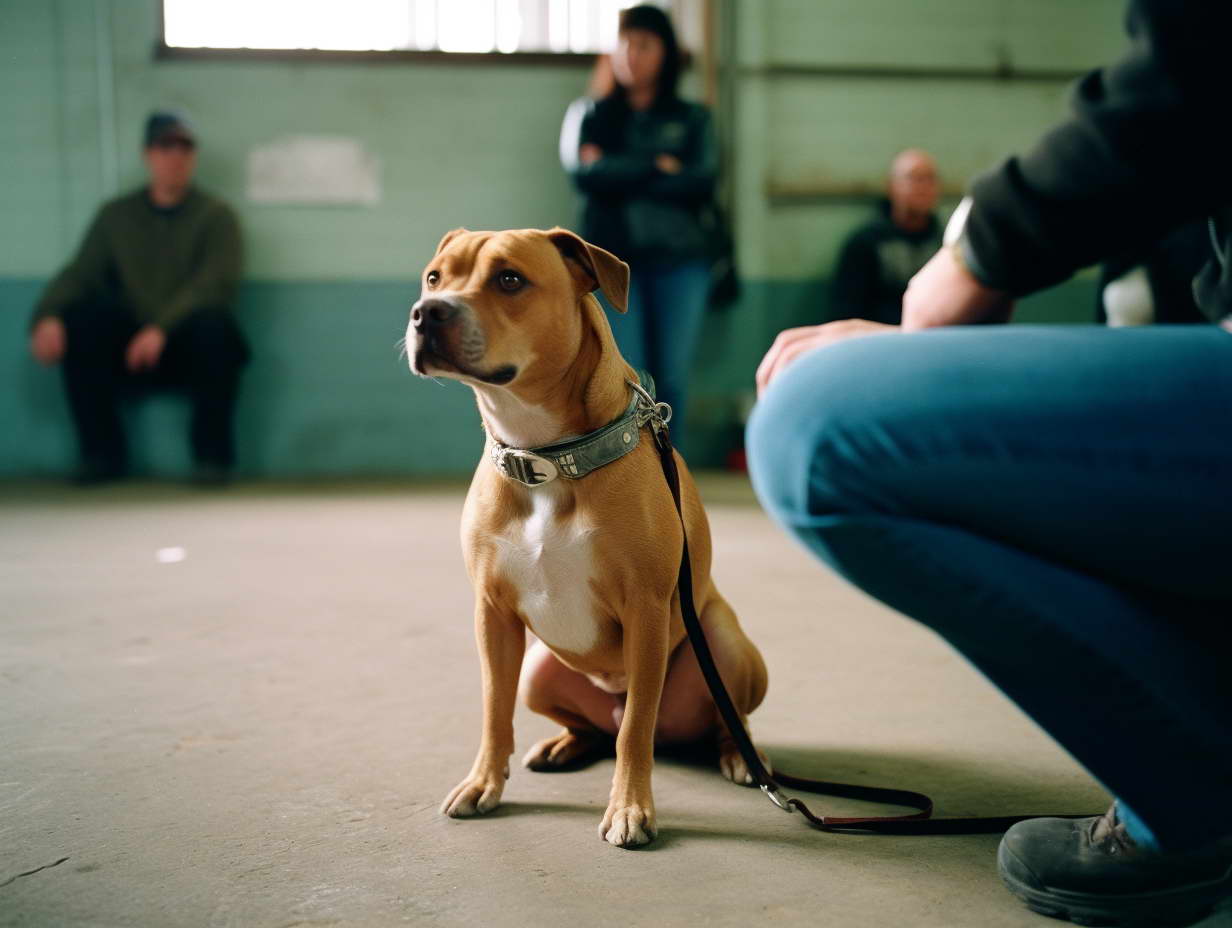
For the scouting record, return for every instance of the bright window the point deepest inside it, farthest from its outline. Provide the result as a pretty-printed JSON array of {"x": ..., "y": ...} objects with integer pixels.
[{"x": 580, "y": 26}]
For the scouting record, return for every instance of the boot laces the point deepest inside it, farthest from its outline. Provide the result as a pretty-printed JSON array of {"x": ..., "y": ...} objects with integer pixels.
[{"x": 1107, "y": 832}]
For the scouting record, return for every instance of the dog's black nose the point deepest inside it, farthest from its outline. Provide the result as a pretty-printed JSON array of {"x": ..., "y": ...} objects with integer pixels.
[{"x": 427, "y": 313}]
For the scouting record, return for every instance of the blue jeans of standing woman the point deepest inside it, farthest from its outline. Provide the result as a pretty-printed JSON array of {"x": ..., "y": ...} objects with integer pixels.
[
  {"x": 659, "y": 333},
  {"x": 1057, "y": 504}
]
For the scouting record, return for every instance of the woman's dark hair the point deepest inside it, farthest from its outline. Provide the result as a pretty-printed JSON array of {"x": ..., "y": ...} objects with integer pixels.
[{"x": 652, "y": 19}]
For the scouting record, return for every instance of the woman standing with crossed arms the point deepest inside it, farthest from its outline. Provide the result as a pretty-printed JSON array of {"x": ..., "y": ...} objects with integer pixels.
[{"x": 646, "y": 163}]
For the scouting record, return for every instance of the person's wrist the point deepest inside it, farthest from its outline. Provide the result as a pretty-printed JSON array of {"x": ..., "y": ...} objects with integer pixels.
[
  {"x": 969, "y": 260},
  {"x": 956, "y": 252},
  {"x": 956, "y": 240}
]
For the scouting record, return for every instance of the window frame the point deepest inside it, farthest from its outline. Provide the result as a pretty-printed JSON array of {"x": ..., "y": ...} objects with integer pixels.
[{"x": 164, "y": 52}]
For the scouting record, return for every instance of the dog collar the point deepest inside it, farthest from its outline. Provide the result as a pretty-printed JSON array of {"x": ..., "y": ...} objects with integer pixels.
[{"x": 576, "y": 457}]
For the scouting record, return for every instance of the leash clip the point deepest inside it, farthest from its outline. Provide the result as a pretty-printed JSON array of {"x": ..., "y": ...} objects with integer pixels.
[
  {"x": 657, "y": 414},
  {"x": 527, "y": 468},
  {"x": 776, "y": 796}
]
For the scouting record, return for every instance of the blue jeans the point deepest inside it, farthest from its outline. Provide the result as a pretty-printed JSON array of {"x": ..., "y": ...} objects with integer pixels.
[
  {"x": 1057, "y": 504},
  {"x": 659, "y": 333}
]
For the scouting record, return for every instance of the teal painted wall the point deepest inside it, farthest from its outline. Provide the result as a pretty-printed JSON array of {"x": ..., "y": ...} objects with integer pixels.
[
  {"x": 814, "y": 111},
  {"x": 327, "y": 393}
]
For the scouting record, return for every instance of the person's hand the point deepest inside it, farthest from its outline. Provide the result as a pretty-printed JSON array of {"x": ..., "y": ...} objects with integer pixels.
[
  {"x": 145, "y": 348},
  {"x": 791, "y": 343},
  {"x": 668, "y": 164},
  {"x": 589, "y": 153},
  {"x": 48, "y": 341},
  {"x": 944, "y": 292}
]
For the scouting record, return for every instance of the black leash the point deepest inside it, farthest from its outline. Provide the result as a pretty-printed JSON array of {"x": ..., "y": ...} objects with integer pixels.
[{"x": 920, "y": 822}]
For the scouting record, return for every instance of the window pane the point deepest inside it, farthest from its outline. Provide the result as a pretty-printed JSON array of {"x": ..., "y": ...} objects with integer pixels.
[
  {"x": 508, "y": 25},
  {"x": 425, "y": 24},
  {"x": 579, "y": 25},
  {"x": 609, "y": 19},
  {"x": 558, "y": 25},
  {"x": 466, "y": 26},
  {"x": 357, "y": 24}
]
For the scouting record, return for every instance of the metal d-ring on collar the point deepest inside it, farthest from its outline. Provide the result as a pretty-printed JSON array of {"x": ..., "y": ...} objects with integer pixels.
[
  {"x": 574, "y": 458},
  {"x": 647, "y": 410}
]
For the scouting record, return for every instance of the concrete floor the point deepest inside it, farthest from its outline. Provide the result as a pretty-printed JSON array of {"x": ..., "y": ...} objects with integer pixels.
[{"x": 260, "y": 733}]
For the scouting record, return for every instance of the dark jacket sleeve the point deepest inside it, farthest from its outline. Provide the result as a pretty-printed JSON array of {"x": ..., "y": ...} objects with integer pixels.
[
  {"x": 1142, "y": 152},
  {"x": 612, "y": 173},
  {"x": 853, "y": 288},
  {"x": 215, "y": 279},
  {"x": 700, "y": 167},
  {"x": 84, "y": 276}
]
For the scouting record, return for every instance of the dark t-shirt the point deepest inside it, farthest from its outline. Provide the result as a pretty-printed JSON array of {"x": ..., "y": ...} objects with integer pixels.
[{"x": 877, "y": 261}]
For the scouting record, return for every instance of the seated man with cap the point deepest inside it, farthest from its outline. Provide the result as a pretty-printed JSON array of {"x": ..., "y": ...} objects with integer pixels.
[{"x": 147, "y": 301}]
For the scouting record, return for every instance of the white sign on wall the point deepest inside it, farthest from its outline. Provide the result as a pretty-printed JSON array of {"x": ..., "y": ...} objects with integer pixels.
[{"x": 314, "y": 170}]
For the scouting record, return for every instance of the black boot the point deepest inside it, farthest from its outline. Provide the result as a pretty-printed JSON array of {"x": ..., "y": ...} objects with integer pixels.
[{"x": 1091, "y": 872}]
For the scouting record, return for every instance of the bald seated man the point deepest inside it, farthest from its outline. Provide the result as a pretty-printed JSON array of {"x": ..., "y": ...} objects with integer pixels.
[{"x": 880, "y": 256}]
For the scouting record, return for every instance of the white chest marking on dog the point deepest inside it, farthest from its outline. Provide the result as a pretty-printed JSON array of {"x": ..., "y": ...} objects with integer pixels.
[{"x": 549, "y": 561}]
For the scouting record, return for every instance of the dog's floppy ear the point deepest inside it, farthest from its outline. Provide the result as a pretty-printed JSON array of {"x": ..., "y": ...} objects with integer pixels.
[
  {"x": 449, "y": 237},
  {"x": 593, "y": 268}
]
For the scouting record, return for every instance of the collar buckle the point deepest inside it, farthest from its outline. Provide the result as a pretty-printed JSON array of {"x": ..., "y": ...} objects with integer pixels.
[{"x": 525, "y": 467}]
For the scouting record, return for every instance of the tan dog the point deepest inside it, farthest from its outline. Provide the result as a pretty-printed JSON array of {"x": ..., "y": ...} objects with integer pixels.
[{"x": 588, "y": 564}]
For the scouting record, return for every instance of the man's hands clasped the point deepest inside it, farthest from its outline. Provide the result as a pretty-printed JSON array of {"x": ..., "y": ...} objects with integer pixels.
[{"x": 49, "y": 342}]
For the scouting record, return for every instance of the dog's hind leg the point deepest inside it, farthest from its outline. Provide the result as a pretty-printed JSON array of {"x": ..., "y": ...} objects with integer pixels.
[
  {"x": 689, "y": 712},
  {"x": 571, "y": 748},
  {"x": 731, "y": 762},
  {"x": 588, "y": 714}
]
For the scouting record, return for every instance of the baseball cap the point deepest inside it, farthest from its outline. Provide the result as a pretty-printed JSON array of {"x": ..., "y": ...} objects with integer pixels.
[{"x": 169, "y": 124}]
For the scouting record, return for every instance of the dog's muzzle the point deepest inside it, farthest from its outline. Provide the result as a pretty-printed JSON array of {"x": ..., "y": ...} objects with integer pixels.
[{"x": 444, "y": 328}]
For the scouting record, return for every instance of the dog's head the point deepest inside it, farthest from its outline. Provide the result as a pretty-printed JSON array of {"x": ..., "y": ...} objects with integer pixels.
[{"x": 499, "y": 307}]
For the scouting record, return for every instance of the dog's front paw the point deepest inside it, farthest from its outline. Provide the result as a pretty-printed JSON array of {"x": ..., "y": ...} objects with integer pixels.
[
  {"x": 628, "y": 825},
  {"x": 477, "y": 794}
]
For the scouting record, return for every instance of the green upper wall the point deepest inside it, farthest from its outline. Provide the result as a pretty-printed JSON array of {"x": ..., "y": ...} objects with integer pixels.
[
  {"x": 826, "y": 92},
  {"x": 821, "y": 94},
  {"x": 458, "y": 145}
]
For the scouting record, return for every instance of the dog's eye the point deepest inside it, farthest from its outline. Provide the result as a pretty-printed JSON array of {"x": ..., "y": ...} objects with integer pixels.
[
  {"x": 510, "y": 281},
  {"x": 433, "y": 278}
]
